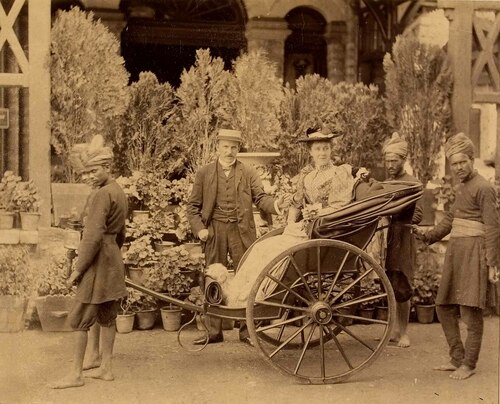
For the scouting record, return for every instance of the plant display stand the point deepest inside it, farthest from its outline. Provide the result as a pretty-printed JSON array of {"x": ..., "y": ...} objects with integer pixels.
[
  {"x": 171, "y": 318},
  {"x": 125, "y": 323},
  {"x": 53, "y": 312},
  {"x": 12, "y": 311},
  {"x": 425, "y": 313}
]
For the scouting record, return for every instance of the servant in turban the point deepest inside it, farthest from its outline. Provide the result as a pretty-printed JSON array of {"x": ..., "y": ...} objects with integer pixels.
[
  {"x": 471, "y": 261},
  {"x": 99, "y": 271},
  {"x": 401, "y": 252}
]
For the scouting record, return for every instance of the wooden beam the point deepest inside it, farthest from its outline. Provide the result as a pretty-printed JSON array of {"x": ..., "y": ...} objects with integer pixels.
[
  {"x": 460, "y": 53},
  {"x": 39, "y": 102},
  {"x": 8, "y": 34},
  {"x": 476, "y": 4},
  {"x": 13, "y": 80}
]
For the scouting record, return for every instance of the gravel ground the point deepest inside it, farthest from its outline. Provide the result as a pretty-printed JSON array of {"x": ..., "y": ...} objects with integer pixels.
[{"x": 150, "y": 367}]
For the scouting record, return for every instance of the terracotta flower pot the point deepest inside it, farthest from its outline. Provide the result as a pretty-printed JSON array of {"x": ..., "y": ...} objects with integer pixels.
[
  {"x": 425, "y": 313},
  {"x": 125, "y": 323},
  {"x": 145, "y": 319},
  {"x": 171, "y": 318},
  {"x": 29, "y": 220},
  {"x": 53, "y": 312},
  {"x": 6, "y": 220}
]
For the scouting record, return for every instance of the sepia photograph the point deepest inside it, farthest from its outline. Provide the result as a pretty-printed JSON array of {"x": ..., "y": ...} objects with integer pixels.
[{"x": 249, "y": 201}]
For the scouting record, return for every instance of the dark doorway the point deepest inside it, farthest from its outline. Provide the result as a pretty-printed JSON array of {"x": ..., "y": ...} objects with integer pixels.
[
  {"x": 165, "y": 39},
  {"x": 305, "y": 48}
]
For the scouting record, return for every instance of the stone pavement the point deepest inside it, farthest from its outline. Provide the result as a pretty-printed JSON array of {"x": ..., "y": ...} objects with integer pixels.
[{"x": 150, "y": 367}]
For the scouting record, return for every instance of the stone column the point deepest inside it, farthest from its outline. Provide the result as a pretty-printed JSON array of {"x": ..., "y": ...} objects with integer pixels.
[
  {"x": 39, "y": 102},
  {"x": 270, "y": 35},
  {"x": 335, "y": 36},
  {"x": 351, "y": 45}
]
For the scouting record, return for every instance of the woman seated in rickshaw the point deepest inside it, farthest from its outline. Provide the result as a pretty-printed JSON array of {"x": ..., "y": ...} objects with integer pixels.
[{"x": 322, "y": 188}]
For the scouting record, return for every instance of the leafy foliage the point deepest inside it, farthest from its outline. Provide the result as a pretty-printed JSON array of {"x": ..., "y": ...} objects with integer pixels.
[
  {"x": 51, "y": 280},
  {"x": 8, "y": 185},
  {"x": 309, "y": 105},
  {"x": 359, "y": 117},
  {"x": 427, "y": 277},
  {"x": 255, "y": 96},
  {"x": 418, "y": 87},
  {"x": 353, "y": 110},
  {"x": 203, "y": 107},
  {"x": 145, "y": 144},
  {"x": 26, "y": 197},
  {"x": 169, "y": 273},
  {"x": 444, "y": 194},
  {"x": 141, "y": 253},
  {"x": 88, "y": 82},
  {"x": 16, "y": 278}
]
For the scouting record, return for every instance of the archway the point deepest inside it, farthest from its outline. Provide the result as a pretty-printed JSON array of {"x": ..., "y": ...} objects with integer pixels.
[
  {"x": 162, "y": 36},
  {"x": 305, "y": 48}
]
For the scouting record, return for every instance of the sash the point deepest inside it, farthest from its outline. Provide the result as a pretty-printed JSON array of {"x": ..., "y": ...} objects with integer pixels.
[{"x": 466, "y": 228}]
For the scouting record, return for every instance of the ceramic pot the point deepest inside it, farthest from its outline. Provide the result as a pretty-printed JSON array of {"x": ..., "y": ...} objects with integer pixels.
[
  {"x": 171, "y": 318},
  {"x": 125, "y": 323}
]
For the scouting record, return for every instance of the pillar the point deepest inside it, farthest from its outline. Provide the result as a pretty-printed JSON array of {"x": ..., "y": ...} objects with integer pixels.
[
  {"x": 270, "y": 35},
  {"x": 39, "y": 102},
  {"x": 335, "y": 36},
  {"x": 351, "y": 45},
  {"x": 459, "y": 51}
]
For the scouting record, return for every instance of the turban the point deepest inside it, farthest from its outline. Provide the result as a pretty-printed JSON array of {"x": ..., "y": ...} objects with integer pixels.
[
  {"x": 84, "y": 155},
  {"x": 459, "y": 143},
  {"x": 397, "y": 145}
]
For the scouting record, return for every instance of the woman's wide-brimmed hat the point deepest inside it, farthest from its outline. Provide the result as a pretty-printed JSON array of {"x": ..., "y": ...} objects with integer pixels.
[
  {"x": 229, "y": 134},
  {"x": 318, "y": 135}
]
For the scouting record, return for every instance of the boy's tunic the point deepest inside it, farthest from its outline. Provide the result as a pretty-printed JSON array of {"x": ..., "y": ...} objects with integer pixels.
[
  {"x": 99, "y": 255},
  {"x": 473, "y": 243}
]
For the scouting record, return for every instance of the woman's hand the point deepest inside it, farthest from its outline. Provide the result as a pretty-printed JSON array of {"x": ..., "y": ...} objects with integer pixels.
[{"x": 310, "y": 212}]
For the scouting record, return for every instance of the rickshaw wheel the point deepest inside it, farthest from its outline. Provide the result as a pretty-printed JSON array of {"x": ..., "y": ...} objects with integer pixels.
[{"x": 301, "y": 311}]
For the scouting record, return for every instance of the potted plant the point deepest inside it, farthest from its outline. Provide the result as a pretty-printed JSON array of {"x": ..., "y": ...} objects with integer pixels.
[
  {"x": 171, "y": 317},
  {"x": 146, "y": 312},
  {"x": 16, "y": 285},
  {"x": 444, "y": 196},
  {"x": 197, "y": 297},
  {"x": 174, "y": 272},
  {"x": 138, "y": 256},
  {"x": 55, "y": 297},
  {"x": 369, "y": 289},
  {"x": 425, "y": 286},
  {"x": 126, "y": 315},
  {"x": 26, "y": 199},
  {"x": 8, "y": 185}
]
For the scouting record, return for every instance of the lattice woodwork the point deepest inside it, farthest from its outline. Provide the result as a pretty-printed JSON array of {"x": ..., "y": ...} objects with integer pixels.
[
  {"x": 485, "y": 77},
  {"x": 8, "y": 35}
]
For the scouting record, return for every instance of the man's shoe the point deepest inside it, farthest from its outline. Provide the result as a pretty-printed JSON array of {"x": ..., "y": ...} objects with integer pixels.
[
  {"x": 211, "y": 340},
  {"x": 246, "y": 340}
]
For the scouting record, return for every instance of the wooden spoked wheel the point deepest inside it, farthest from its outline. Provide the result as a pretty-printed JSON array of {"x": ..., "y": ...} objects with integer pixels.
[{"x": 302, "y": 311}]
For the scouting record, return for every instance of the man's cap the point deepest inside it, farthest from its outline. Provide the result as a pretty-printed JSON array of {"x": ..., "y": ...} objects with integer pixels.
[{"x": 229, "y": 134}]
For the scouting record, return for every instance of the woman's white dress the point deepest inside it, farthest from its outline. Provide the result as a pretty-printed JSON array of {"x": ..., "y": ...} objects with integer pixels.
[{"x": 332, "y": 187}]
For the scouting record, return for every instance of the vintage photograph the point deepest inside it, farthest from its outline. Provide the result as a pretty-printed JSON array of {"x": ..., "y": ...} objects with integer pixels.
[{"x": 249, "y": 201}]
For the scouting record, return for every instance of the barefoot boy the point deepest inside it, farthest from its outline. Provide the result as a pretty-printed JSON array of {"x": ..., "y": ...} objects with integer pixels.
[{"x": 99, "y": 271}]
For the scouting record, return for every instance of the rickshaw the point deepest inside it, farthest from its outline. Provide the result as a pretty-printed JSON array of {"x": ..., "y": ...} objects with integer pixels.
[{"x": 302, "y": 311}]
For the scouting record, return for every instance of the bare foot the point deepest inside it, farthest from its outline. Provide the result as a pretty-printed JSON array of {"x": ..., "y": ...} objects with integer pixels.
[
  {"x": 67, "y": 383},
  {"x": 404, "y": 341},
  {"x": 463, "y": 372},
  {"x": 92, "y": 363},
  {"x": 101, "y": 374},
  {"x": 448, "y": 367}
]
